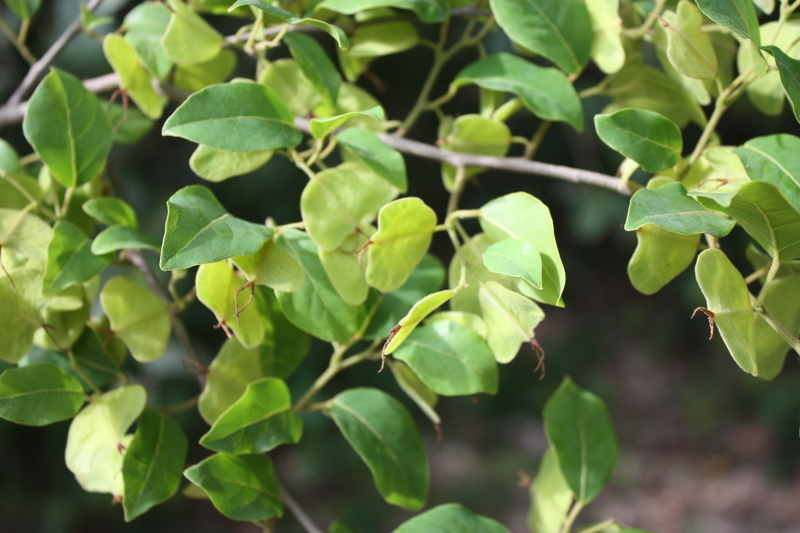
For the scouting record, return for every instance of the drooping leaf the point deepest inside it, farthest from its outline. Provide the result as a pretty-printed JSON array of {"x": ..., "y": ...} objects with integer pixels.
[
  {"x": 146, "y": 24},
  {"x": 581, "y": 434},
  {"x": 241, "y": 487},
  {"x": 37, "y": 395},
  {"x": 145, "y": 326},
  {"x": 385, "y": 161},
  {"x": 550, "y": 497},
  {"x": 417, "y": 314},
  {"x": 153, "y": 463},
  {"x": 334, "y": 31},
  {"x": 70, "y": 259},
  {"x": 429, "y": 11},
  {"x": 659, "y": 257},
  {"x": 560, "y": 30},
  {"x": 321, "y": 127},
  {"x": 199, "y": 230},
  {"x": 773, "y": 159},
  {"x": 450, "y": 518},
  {"x": 122, "y": 238},
  {"x": 19, "y": 313},
  {"x": 789, "y": 70},
  {"x": 510, "y": 319},
  {"x": 96, "y": 443},
  {"x": 216, "y": 164},
  {"x": 383, "y": 434},
  {"x": 68, "y": 128},
  {"x": 111, "y": 212},
  {"x": 273, "y": 267},
  {"x": 689, "y": 49},
  {"x": 261, "y": 419},
  {"x": 317, "y": 67},
  {"x": 188, "y": 38},
  {"x": 650, "y": 139},
  {"x": 134, "y": 79},
  {"x": 607, "y": 50},
  {"x": 516, "y": 258},
  {"x": 241, "y": 116},
  {"x": 545, "y": 91},
  {"x": 737, "y": 15},
  {"x": 405, "y": 231}
]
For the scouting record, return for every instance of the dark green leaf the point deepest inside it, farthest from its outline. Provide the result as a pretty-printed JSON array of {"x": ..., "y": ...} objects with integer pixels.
[
  {"x": 737, "y": 15},
  {"x": 450, "y": 518},
  {"x": 111, "y": 212},
  {"x": 367, "y": 147},
  {"x": 93, "y": 361},
  {"x": 789, "y": 70},
  {"x": 122, "y": 238},
  {"x": 774, "y": 159},
  {"x": 70, "y": 259},
  {"x": 650, "y": 139},
  {"x": 24, "y": 9},
  {"x": 334, "y": 31},
  {"x": 316, "y": 65},
  {"x": 37, "y": 395}
]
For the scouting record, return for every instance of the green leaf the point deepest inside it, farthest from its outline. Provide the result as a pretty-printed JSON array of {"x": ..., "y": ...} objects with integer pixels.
[
  {"x": 93, "y": 361},
  {"x": 153, "y": 462},
  {"x": 650, "y": 139},
  {"x": 470, "y": 320},
  {"x": 717, "y": 174},
  {"x": 68, "y": 128},
  {"x": 429, "y": 11},
  {"x": 216, "y": 164},
  {"x": 242, "y": 487},
  {"x": 317, "y": 308},
  {"x": 607, "y": 50},
  {"x": 773, "y": 159},
  {"x": 345, "y": 269},
  {"x": 516, "y": 258},
  {"x": 659, "y": 257},
  {"x": 338, "y": 201},
  {"x": 383, "y": 434},
  {"x": 217, "y": 286},
  {"x": 737, "y": 15},
  {"x": 9, "y": 158},
  {"x": 96, "y": 443},
  {"x": 24, "y": 9},
  {"x": 316, "y": 65},
  {"x": 766, "y": 216},
  {"x": 474, "y": 134},
  {"x": 550, "y": 497},
  {"x": 560, "y": 30},
  {"x": 239, "y": 116},
  {"x": 783, "y": 306},
  {"x": 19, "y": 312},
  {"x": 64, "y": 328},
  {"x": 144, "y": 327},
  {"x": 405, "y": 231},
  {"x": 510, "y": 319},
  {"x": 728, "y": 298},
  {"x": 669, "y": 208},
  {"x": 199, "y": 230},
  {"x": 37, "y": 395},
  {"x": 370, "y": 150},
  {"x": 261, "y": 419},
  {"x": 287, "y": 81},
  {"x": 789, "y": 70},
  {"x": 545, "y": 91},
  {"x": 380, "y": 37},
  {"x": 272, "y": 266},
  {"x": 111, "y": 212},
  {"x": 146, "y": 24},
  {"x": 415, "y": 389},
  {"x": 417, "y": 314},
  {"x": 70, "y": 259},
  {"x": 134, "y": 79},
  {"x": 122, "y": 238},
  {"x": 334, "y": 31},
  {"x": 322, "y": 127},
  {"x": 689, "y": 48},
  {"x": 522, "y": 216},
  {"x": 128, "y": 130},
  {"x": 450, "y": 358},
  {"x": 582, "y": 435},
  {"x": 188, "y": 38},
  {"x": 25, "y": 235},
  {"x": 200, "y": 75},
  {"x": 450, "y": 518}
]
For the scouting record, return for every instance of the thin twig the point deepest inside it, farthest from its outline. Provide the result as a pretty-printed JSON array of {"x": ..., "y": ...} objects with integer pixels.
[{"x": 298, "y": 512}]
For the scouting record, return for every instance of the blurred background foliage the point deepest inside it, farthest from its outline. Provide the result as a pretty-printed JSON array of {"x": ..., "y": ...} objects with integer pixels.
[{"x": 704, "y": 447}]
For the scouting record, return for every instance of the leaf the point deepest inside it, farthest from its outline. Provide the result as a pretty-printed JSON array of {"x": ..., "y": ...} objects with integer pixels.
[
  {"x": 783, "y": 306},
  {"x": 383, "y": 434},
  {"x": 146, "y": 24},
  {"x": 200, "y": 75},
  {"x": 216, "y": 164},
  {"x": 650, "y": 139},
  {"x": 345, "y": 271},
  {"x": 415, "y": 389},
  {"x": 153, "y": 462},
  {"x": 24, "y": 9},
  {"x": 217, "y": 286},
  {"x": 607, "y": 49},
  {"x": 334, "y": 31},
  {"x": 9, "y": 158},
  {"x": 240, "y": 116},
  {"x": 339, "y": 200},
  {"x": 405, "y": 231},
  {"x": 728, "y": 298},
  {"x": 93, "y": 361},
  {"x": 199, "y": 230},
  {"x": 70, "y": 259},
  {"x": 429, "y": 11},
  {"x": 767, "y": 217},
  {"x": 317, "y": 67},
  {"x": 510, "y": 319},
  {"x": 322, "y": 127},
  {"x": 273, "y": 267},
  {"x": 287, "y": 81},
  {"x": 134, "y": 79},
  {"x": 550, "y": 497},
  {"x": 122, "y": 238},
  {"x": 96, "y": 443},
  {"x": 450, "y": 518},
  {"x": 560, "y": 30},
  {"x": 581, "y": 434},
  {"x": 37, "y": 395},
  {"x": 669, "y": 208},
  {"x": 188, "y": 38},
  {"x": 659, "y": 257},
  {"x": 474, "y": 134},
  {"x": 316, "y": 308},
  {"x": 131, "y": 130},
  {"x": 789, "y": 70},
  {"x": 417, "y": 314},
  {"x": 19, "y": 313},
  {"x": 144, "y": 327},
  {"x": 737, "y": 15},
  {"x": 111, "y": 212},
  {"x": 68, "y": 128},
  {"x": 380, "y": 37},
  {"x": 370, "y": 150},
  {"x": 545, "y": 91},
  {"x": 689, "y": 48},
  {"x": 470, "y": 320},
  {"x": 261, "y": 419},
  {"x": 516, "y": 258},
  {"x": 451, "y": 359},
  {"x": 522, "y": 216},
  {"x": 242, "y": 487},
  {"x": 26, "y": 235},
  {"x": 772, "y": 159}
]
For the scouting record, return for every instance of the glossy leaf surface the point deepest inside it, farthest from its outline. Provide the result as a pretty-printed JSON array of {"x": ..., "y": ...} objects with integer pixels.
[
  {"x": 789, "y": 70},
  {"x": 70, "y": 259},
  {"x": 417, "y": 314},
  {"x": 37, "y": 395},
  {"x": 773, "y": 159},
  {"x": 650, "y": 139},
  {"x": 334, "y": 31},
  {"x": 737, "y": 15},
  {"x": 134, "y": 79},
  {"x": 316, "y": 65},
  {"x": 321, "y": 127},
  {"x": 516, "y": 258},
  {"x": 122, "y": 238},
  {"x": 111, "y": 212},
  {"x": 450, "y": 518}
]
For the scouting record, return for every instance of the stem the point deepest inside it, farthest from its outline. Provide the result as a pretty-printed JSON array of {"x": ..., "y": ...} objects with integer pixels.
[
  {"x": 301, "y": 164},
  {"x": 505, "y": 111},
  {"x": 298, "y": 512},
  {"x": 66, "y": 202},
  {"x": 18, "y": 42},
  {"x": 773, "y": 270},
  {"x": 74, "y": 364},
  {"x": 639, "y": 32},
  {"x": 573, "y": 514},
  {"x": 757, "y": 274},
  {"x": 180, "y": 407},
  {"x": 599, "y": 527},
  {"x": 787, "y": 336},
  {"x": 458, "y": 188},
  {"x": 537, "y": 139},
  {"x": 24, "y": 192}
]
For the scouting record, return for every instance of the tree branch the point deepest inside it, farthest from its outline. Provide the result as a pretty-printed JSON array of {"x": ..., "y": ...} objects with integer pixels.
[{"x": 298, "y": 512}]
